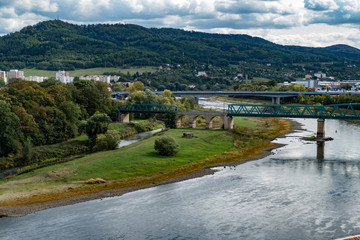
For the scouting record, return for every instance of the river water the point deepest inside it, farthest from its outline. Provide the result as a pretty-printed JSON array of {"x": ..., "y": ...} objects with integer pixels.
[
  {"x": 137, "y": 137},
  {"x": 288, "y": 195}
]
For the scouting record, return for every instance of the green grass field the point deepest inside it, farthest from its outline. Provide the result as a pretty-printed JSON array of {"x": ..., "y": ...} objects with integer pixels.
[
  {"x": 90, "y": 71},
  {"x": 245, "y": 122},
  {"x": 140, "y": 159}
]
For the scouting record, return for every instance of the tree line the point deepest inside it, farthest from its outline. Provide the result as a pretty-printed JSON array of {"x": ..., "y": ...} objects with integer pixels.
[
  {"x": 35, "y": 114},
  {"x": 48, "y": 112}
]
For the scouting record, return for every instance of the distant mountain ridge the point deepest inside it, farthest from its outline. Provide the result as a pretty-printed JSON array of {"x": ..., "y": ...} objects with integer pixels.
[{"x": 57, "y": 45}]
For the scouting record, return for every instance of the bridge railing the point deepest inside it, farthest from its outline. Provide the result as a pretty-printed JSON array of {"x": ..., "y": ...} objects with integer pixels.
[
  {"x": 337, "y": 111},
  {"x": 147, "y": 108}
]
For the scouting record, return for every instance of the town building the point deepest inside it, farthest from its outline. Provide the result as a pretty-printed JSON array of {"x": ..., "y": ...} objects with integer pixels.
[
  {"x": 3, "y": 76},
  {"x": 101, "y": 78},
  {"x": 320, "y": 75},
  {"x": 202, "y": 74},
  {"x": 15, "y": 74},
  {"x": 308, "y": 83},
  {"x": 36, "y": 78},
  {"x": 64, "y": 77}
]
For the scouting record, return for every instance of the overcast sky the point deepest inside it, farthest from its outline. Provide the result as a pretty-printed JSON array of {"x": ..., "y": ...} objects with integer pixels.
[{"x": 316, "y": 23}]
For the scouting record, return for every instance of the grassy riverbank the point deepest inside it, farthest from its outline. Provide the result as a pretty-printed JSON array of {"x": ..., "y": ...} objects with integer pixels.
[
  {"x": 138, "y": 164},
  {"x": 73, "y": 147}
]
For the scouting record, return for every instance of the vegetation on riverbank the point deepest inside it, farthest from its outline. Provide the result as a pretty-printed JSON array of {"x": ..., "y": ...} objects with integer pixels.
[
  {"x": 139, "y": 164},
  {"x": 68, "y": 150}
]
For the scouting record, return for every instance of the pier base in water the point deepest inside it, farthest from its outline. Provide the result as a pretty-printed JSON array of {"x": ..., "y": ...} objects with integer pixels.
[{"x": 320, "y": 128}]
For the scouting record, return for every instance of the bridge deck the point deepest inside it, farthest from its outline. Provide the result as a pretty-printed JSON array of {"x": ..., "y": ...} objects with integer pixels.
[{"x": 337, "y": 111}]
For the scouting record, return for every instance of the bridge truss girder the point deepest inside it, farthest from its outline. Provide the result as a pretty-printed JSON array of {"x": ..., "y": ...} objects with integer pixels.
[{"x": 337, "y": 111}]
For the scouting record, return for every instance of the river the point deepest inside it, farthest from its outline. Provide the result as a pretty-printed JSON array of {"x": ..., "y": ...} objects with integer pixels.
[{"x": 288, "y": 195}]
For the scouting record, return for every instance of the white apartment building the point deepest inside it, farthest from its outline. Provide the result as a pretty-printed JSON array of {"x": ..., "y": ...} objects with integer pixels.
[
  {"x": 36, "y": 79},
  {"x": 14, "y": 73},
  {"x": 320, "y": 75},
  {"x": 64, "y": 77},
  {"x": 101, "y": 78},
  {"x": 308, "y": 83},
  {"x": 3, "y": 76}
]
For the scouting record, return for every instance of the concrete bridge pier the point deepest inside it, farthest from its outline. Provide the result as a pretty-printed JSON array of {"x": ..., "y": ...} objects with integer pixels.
[
  {"x": 124, "y": 117},
  {"x": 228, "y": 122},
  {"x": 179, "y": 122},
  {"x": 208, "y": 120},
  {"x": 275, "y": 100},
  {"x": 320, "y": 128},
  {"x": 196, "y": 100},
  {"x": 192, "y": 121}
]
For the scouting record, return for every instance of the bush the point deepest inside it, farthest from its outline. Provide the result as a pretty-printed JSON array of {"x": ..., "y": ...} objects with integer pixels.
[
  {"x": 166, "y": 146},
  {"x": 108, "y": 141}
]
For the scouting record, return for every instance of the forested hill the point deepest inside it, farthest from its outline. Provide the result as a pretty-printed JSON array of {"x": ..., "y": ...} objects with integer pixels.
[{"x": 57, "y": 45}]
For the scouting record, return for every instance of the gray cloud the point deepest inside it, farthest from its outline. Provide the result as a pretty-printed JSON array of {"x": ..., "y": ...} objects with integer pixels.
[{"x": 320, "y": 5}]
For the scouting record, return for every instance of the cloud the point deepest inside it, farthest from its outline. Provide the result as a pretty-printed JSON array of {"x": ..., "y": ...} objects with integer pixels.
[{"x": 321, "y": 5}]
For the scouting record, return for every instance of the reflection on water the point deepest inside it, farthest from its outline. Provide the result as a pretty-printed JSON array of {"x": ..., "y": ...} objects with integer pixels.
[
  {"x": 287, "y": 195},
  {"x": 320, "y": 150}
]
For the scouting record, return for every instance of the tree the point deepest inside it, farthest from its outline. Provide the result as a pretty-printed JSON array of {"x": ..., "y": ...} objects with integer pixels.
[
  {"x": 170, "y": 119},
  {"x": 2, "y": 82},
  {"x": 118, "y": 87},
  {"x": 9, "y": 130},
  {"x": 27, "y": 151},
  {"x": 136, "y": 86},
  {"x": 166, "y": 146},
  {"x": 96, "y": 124},
  {"x": 72, "y": 113}
]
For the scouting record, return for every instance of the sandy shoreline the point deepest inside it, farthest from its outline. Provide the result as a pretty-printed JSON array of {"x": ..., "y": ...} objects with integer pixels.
[{"x": 28, "y": 209}]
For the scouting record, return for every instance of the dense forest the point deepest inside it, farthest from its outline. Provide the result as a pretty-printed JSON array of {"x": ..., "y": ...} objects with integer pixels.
[
  {"x": 49, "y": 112},
  {"x": 55, "y": 45}
]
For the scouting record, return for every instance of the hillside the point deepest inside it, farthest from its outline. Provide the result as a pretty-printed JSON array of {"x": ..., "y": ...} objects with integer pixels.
[{"x": 55, "y": 44}]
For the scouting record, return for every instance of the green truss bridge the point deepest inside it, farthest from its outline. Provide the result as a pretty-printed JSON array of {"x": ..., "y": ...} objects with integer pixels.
[
  {"x": 337, "y": 111},
  {"x": 143, "y": 108}
]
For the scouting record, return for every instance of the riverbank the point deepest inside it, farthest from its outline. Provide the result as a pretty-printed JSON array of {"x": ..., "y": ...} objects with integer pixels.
[{"x": 229, "y": 158}]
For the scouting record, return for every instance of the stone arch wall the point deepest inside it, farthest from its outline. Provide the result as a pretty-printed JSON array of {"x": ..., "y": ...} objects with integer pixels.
[{"x": 227, "y": 121}]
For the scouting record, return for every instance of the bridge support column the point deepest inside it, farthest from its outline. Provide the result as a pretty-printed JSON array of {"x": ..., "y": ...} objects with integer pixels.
[
  {"x": 124, "y": 117},
  {"x": 320, "y": 128},
  {"x": 208, "y": 120},
  {"x": 179, "y": 122},
  {"x": 276, "y": 100},
  {"x": 228, "y": 122},
  {"x": 192, "y": 121},
  {"x": 196, "y": 100}
]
